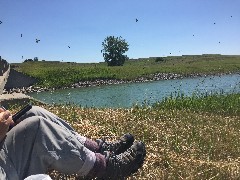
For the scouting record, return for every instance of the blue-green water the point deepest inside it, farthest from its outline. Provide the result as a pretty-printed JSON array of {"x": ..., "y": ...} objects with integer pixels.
[{"x": 126, "y": 95}]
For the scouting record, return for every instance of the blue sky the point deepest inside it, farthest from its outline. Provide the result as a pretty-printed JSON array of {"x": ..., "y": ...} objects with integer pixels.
[{"x": 164, "y": 27}]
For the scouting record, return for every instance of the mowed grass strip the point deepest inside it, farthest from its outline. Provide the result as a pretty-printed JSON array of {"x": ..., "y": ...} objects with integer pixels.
[{"x": 181, "y": 143}]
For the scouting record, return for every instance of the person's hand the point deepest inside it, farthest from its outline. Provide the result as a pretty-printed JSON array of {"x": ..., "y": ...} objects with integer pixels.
[
  {"x": 5, "y": 122},
  {"x": 2, "y": 109}
]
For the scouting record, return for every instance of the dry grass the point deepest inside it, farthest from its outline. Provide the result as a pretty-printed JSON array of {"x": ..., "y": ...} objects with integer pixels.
[{"x": 180, "y": 144}]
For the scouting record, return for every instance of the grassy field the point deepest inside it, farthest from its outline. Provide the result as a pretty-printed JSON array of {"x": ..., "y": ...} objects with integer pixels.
[
  {"x": 186, "y": 138},
  {"x": 69, "y": 73}
]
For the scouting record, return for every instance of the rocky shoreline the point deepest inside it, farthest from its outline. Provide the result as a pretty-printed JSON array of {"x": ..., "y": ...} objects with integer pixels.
[{"x": 100, "y": 82}]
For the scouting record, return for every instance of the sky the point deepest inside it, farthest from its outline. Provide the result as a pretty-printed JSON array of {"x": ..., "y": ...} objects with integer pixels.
[{"x": 73, "y": 30}]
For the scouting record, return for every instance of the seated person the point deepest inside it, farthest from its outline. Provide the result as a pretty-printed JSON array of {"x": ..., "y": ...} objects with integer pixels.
[{"x": 41, "y": 141}]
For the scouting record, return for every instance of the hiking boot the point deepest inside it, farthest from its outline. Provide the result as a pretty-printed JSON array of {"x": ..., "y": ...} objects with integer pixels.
[
  {"x": 122, "y": 165},
  {"x": 117, "y": 147}
]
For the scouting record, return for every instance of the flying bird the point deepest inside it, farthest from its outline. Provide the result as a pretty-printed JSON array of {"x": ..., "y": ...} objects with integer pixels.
[
  {"x": 68, "y": 46},
  {"x": 0, "y": 22},
  {"x": 136, "y": 20},
  {"x": 21, "y": 35},
  {"x": 37, "y": 40},
  {"x": 214, "y": 23}
]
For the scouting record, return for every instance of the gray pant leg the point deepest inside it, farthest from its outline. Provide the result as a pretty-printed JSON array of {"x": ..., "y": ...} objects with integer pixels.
[
  {"x": 39, "y": 111},
  {"x": 7, "y": 170},
  {"x": 37, "y": 144}
]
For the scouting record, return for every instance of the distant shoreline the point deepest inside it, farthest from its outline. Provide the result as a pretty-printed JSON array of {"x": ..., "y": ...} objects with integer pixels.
[{"x": 101, "y": 82}]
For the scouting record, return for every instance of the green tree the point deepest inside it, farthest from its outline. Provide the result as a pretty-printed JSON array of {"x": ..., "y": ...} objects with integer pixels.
[
  {"x": 113, "y": 50},
  {"x": 35, "y": 59}
]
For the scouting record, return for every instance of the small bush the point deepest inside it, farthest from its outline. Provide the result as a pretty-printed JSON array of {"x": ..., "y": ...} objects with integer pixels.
[{"x": 159, "y": 59}]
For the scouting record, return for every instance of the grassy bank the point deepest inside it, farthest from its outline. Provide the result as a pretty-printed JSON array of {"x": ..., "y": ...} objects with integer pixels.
[
  {"x": 217, "y": 103},
  {"x": 59, "y": 74},
  {"x": 183, "y": 141},
  {"x": 186, "y": 138}
]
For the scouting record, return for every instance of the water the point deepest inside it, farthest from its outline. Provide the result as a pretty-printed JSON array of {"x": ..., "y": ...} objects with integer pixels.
[{"x": 126, "y": 95}]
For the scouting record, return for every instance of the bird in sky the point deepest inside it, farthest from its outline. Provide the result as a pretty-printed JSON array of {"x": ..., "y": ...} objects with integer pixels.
[
  {"x": 0, "y": 22},
  {"x": 214, "y": 23},
  {"x": 68, "y": 46},
  {"x": 21, "y": 35},
  {"x": 37, "y": 40},
  {"x": 136, "y": 20}
]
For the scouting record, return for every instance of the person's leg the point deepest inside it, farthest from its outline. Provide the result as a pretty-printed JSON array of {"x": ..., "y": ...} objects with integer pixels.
[
  {"x": 39, "y": 111},
  {"x": 36, "y": 145},
  {"x": 7, "y": 170},
  {"x": 98, "y": 146}
]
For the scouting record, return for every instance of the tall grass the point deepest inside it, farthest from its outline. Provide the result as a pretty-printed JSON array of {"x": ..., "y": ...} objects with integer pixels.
[{"x": 218, "y": 103}]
